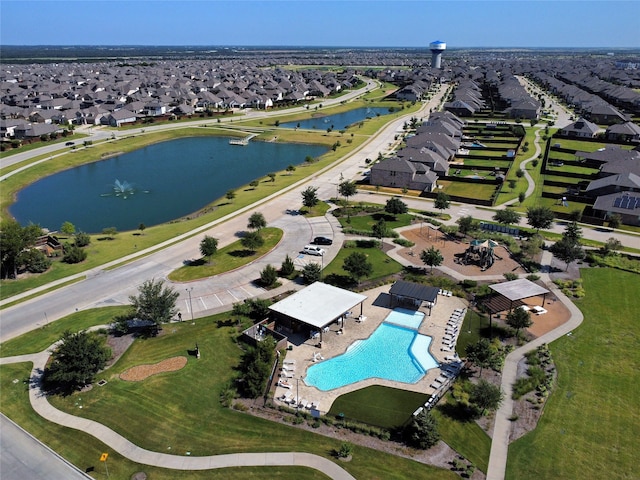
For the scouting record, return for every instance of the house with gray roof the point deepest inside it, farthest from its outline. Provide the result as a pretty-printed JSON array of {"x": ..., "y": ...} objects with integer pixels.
[
  {"x": 402, "y": 173},
  {"x": 581, "y": 128},
  {"x": 623, "y": 132},
  {"x": 625, "y": 204}
]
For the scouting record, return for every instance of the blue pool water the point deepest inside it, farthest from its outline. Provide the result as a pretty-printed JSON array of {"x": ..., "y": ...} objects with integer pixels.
[
  {"x": 392, "y": 352},
  {"x": 405, "y": 318}
]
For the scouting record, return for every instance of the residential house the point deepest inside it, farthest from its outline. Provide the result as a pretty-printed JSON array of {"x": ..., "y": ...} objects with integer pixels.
[{"x": 401, "y": 173}]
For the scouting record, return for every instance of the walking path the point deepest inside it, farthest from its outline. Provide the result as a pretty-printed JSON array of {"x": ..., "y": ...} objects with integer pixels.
[{"x": 129, "y": 450}]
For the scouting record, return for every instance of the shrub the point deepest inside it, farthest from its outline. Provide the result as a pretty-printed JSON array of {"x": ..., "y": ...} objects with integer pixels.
[{"x": 74, "y": 254}]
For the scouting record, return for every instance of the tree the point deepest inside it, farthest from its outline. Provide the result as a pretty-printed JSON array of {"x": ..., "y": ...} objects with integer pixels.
[
  {"x": 252, "y": 241},
  {"x": 291, "y": 169},
  {"x": 34, "y": 261},
  {"x": 422, "y": 431},
  {"x": 347, "y": 189},
  {"x": 615, "y": 221},
  {"x": 155, "y": 302},
  {"x": 272, "y": 176},
  {"x": 68, "y": 228},
  {"x": 288, "y": 267},
  {"x": 485, "y": 396},
  {"x": 268, "y": 276},
  {"x": 441, "y": 202},
  {"x": 208, "y": 247},
  {"x": 256, "y": 367},
  {"x": 256, "y": 221},
  {"x": 521, "y": 197},
  {"x": 312, "y": 272},
  {"x": 395, "y": 206},
  {"x": 431, "y": 257},
  {"x": 519, "y": 318},
  {"x": 573, "y": 232},
  {"x": 481, "y": 353},
  {"x": 519, "y": 173},
  {"x": 512, "y": 184},
  {"x": 110, "y": 232},
  {"x": 13, "y": 240},
  {"x": 254, "y": 183},
  {"x": 74, "y": 254},
  {"x": 75, "y": 362},
  {"x": 611, "y": 246},
  {"x": 230, "y": 195},
  {"x": 465, "y": 224},
  {"x": 507, "y": 216},
  {"x": 379, "y": 229},
  {"x": 142, "y": 228},
  {"x": 81, "y": 239},
  {"x": 357, "y": 265},
  {"x": 539, "y": 217},
  {"x": 567, "y": 251},
  {"x": 309, "y": 197}
]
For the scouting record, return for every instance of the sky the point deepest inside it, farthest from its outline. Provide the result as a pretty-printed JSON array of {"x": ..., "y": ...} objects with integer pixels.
[{"x": 353, "y": 23}]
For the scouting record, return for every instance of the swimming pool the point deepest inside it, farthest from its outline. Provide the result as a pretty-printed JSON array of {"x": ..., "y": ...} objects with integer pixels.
[
  {"x": 392, "y": 352},
  {"x": 405, "y": 318}
]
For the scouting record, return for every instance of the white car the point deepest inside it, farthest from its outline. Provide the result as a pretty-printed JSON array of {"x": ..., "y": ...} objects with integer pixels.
[
  {"x": 538, "y": 310},
  {"x": 313, "y": 250}
]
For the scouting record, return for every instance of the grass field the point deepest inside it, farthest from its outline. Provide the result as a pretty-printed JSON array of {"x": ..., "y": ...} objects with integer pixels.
[
  {"x": 181, "y": 410},
  {"x": 382, "y": 264},
  {"x": 591, "y": 421}
]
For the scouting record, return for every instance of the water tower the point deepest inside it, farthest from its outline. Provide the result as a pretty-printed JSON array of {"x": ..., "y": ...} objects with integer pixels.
[{"x": 437, "y": 48}]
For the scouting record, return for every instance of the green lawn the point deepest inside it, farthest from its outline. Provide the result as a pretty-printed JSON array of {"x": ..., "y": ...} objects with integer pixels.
[
  {"x": 228, "y": 258},
  {"x": 366, "y": 222},
  {"x": 382, "y": 264},
  {"x": 180, "y": 412},
  {"x": 591, "y": 421}
]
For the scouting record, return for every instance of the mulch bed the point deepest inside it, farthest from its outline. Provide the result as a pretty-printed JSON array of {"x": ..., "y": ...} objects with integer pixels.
[{"x": 140, "y": 372}]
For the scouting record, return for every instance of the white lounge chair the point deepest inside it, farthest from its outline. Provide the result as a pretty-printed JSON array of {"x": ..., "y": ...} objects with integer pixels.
[
  {"x": 293, "y": 401},
  {"x": 285, "y": 397},
  {"x": 446, "y": 348},
  {"x": 286, "y": 374},
  {"x": 417, "y": 412},
  {"x": 451, "y": 358},
  {"x": 283, "y": 383},
  {"x": 289, "y": 362},
  {"x": 361, "y": 318}
]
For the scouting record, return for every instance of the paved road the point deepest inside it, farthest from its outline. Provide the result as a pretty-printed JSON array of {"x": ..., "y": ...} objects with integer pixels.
[{"x": 22, "y": 457}]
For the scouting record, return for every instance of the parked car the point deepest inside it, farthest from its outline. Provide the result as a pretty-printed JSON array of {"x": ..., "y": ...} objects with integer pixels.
[
  {"x": 68, "y": 144},
  {"x": 322, "y": 241},
  {"x": 313, "y": 250}
]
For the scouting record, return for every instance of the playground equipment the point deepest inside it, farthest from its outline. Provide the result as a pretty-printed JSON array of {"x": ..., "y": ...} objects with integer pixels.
[{"x": 480, "y": 252}]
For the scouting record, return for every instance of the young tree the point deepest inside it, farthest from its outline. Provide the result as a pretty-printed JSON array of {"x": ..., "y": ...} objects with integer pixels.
[
  {"x": 110, "y": 232},
  {"x": 257, "y": 221},
  {"x": 291, "y": 169},
  {"x": 256, "y": 367},
  {"x": 252, "y": 241},
  {"x": 611, "y": 246},
  {"x": 68, "y": 228},
  {"x": 74, "y": 254},
  {"x": 254, "y": 183},
  {"x": 431, "y": 257},
  {"x": 272, "y": 176},
  {"x": 81, "y": 239},
  {"x": 13, "y": 240},
  {"x": 347, "y": 189},
  {"x": 465, "y": 224},
  {"x": 522, "y": 197},
  {"x": 357, "y": 265},
  {"x": 507, "y": 216},
  {"x": 142, "y": 228},
  {"x": 310, "y": 197},
  {"x": 288, "y": 267},
  {"x": 615, "y": 221},
  {"x": 422, "y": 431},
  {"x": 485, "y": 396},
  {"x": 312, "y": 272},
  {"x": 75, "y": 362},
  {"x": 155, "y": 302},
  {"x": 481, "y": 353},
  {"x": 379, "y": 229},
  {"x": 395, "y": 206},
  {"x": 567, "y": 250},
  {"x": 441, "y": 202},
  {"x": 539, "y": 217},
  {"x": 208, "y": 247},
  {"x": 230, "y": 195},
  {"x": 268, "y": 276},
  {"x": 519, "y": 318}
]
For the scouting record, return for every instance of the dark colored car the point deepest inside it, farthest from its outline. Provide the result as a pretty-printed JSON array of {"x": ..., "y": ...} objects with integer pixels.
[
  {"x": 68, "y": 144},
  {"x": 322, "y": 241}
]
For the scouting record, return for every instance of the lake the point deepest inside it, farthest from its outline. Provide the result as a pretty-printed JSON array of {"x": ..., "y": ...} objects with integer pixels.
[
  {"x": 152, "y": 185},
  {"x": 338, "y": 121}
]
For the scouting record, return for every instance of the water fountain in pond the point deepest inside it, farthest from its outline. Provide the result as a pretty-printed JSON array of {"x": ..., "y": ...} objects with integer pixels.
[{"x": 122, "y": 189}]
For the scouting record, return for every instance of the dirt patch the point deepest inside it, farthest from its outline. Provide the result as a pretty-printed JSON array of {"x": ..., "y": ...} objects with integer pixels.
[
  {"x": 118, "y": 345},
  {"x": 452, "y": 251},
  {"x": 140, "y": 372}
]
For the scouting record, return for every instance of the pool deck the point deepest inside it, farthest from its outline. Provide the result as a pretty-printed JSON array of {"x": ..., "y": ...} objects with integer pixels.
[{"x": 375, "y": 308}]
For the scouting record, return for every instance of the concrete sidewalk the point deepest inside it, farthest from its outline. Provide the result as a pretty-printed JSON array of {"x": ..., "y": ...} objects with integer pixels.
[{"x": 129, "y": 450}]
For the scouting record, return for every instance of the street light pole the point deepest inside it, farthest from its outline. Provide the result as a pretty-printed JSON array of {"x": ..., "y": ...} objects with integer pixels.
[
  {"x": 297, "y": 392},
  {"x": 190, "y": 304}
]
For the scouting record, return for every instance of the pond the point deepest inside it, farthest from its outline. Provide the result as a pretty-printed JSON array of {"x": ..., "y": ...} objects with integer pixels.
[
  {"x": 152, "y": 185},
  {"x": 338, "y": 121}
]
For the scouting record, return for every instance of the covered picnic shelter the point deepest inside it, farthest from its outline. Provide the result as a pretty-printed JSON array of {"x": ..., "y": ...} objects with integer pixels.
[
  {"x": 416, "y": 293},
  {"x": 316, "y": 307},
  {"x": 510, "y": 294}
]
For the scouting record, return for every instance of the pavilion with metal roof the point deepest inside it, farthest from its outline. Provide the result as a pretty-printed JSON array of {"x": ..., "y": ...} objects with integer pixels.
[
  {"x": 416, "y": 293},
  {"x": 510, "y": 294},
  {"x": 316, "y": 307}
]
